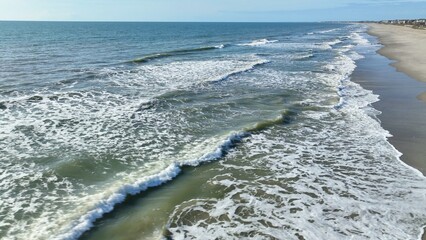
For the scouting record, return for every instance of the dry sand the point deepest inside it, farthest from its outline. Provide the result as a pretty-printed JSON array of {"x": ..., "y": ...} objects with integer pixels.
[{"x": 405, "y": 45}]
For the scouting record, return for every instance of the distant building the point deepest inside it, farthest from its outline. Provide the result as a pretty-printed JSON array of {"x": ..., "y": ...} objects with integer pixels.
[{"x": 416, "y": 23}]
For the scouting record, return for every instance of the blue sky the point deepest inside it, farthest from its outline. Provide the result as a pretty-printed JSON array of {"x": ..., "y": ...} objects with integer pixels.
[{"x": 211, "y": 10}]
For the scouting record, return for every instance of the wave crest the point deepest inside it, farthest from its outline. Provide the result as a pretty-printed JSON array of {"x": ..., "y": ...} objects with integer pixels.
[{"x": 258, "y": 42}]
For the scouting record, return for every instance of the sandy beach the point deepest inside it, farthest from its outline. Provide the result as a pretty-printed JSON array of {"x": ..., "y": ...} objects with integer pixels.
[
  {"x": 405, "y": 45},
  {"x": 402, "y": 98}
]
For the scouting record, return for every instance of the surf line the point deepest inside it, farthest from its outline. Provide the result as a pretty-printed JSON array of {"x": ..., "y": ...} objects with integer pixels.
[
  {"x": 177, "y": 52},
  {"x": 86, "y": 222}
]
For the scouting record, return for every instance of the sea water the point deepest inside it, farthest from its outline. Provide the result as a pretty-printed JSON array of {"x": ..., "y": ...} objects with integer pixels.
[{"x": 283, "y": 143}]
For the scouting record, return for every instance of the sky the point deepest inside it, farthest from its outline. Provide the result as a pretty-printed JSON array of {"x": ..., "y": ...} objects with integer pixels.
[{"x": 211, "y": 10}]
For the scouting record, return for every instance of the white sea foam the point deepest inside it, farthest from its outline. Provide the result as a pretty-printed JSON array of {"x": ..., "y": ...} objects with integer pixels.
[
  {"x": 342, "y": 68},
  {"x": 323, "y": 32},
  {"x": 324, "y": 46},
  {"x": 305, "y": 178},
  {"x": 218, "y": 152},
  {"x": 355, "y": 56},
  {"x": 103, "y": 127},
  {"x": 358, "y": 39},
  {"x": 183, "y": 74},
  {"x": 328, "y": 30},
  {"x": 328, "y": 44},
  {"x": 103, "y": 206},
  {"x": 258, "y": 42},
  {"x": 307, "y": 187},
  {"x": 310, "y": 189},
  {"x": 309, "y": 180},
  {"x": 334, "y": 42}
]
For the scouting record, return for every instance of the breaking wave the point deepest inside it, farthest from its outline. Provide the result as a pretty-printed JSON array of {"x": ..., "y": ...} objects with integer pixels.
[
  {"x": 258, "y": 42},
  {"x": 178, "y": 52}
]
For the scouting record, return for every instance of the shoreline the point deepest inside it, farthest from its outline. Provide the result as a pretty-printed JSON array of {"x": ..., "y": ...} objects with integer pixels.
[
  {"x": 402, "y": 98},
  {"x": 405, "y": 45},
  {"x": 402, "y": 114}
]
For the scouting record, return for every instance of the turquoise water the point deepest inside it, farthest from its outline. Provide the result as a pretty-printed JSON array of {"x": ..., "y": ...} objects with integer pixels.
[{"x": 256, "y": 129}]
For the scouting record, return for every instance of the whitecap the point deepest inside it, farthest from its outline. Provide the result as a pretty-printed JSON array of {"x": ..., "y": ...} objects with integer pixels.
[{"x": 258, "y": 42}]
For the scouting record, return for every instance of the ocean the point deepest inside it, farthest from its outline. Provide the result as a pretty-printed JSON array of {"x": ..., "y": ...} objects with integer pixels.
[{"x": 196, "y": 131}]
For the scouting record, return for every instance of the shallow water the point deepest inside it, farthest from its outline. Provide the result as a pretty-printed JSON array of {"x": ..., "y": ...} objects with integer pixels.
[{"x": 92, "y": 113}]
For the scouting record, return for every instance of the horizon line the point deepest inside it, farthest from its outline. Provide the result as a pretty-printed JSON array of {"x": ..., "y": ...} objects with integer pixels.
[{"x": 147, "y": 21}]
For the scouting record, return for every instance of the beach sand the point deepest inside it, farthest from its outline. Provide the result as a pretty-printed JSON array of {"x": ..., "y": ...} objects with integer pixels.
[
  {"x": 405, "y": 45},
  {"x": 403, "y": 100},
  {"x": 403, "y": 114}
]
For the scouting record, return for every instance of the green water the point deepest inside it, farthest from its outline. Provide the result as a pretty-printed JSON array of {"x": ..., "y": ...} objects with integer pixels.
[{"x": 196, "y": 131}]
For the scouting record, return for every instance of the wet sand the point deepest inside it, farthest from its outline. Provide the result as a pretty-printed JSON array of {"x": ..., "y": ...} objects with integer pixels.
[
  {"x": 403, "y": 115},
  {"x": 402, "y": 99},
  {"x": 405, "y": 45}
]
